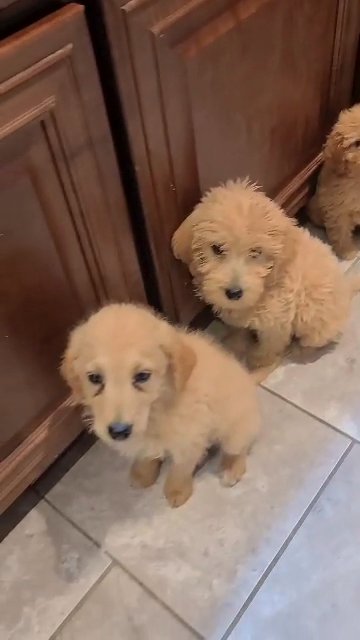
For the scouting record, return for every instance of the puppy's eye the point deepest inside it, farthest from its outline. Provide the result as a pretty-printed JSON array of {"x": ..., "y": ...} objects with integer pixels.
[
  {"x": 356, "y": 144},
  {"x": 256, "y": 252},
  {"x": 141, "y": 377},
  {"x": 217, "y": 249},
  {"x": 95, "y": 378}
]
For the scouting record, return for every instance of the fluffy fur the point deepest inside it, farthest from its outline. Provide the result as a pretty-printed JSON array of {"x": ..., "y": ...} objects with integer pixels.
[
  {"x": 197, "y": 395},
  {"x": 292, "y": 285},
  {"x": 336, "y": 203}
]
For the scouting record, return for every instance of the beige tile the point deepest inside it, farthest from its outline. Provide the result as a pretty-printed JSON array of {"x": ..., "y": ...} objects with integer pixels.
[
  {"x": 204, "y": 559},
  {"x": 46, "y": 567},
  {"x": 329, "y": 387},
  {"x": 119, "y": 609},
  {"x": 313, "y": 592},
  {"x": 17, "y": 511}
]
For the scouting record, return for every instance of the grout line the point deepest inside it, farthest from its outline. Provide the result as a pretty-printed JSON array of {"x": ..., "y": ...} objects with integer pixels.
[
  {"x": 286, "y": 543},
  {"x": 115, "y": 561},
  {"x": 153, "y": 596},
  {"x": 71, "y": 522},
  {"x": 353, "y": 264},
  {"x": 82, "y": 600},
  {"x": 311, "y": 415}
]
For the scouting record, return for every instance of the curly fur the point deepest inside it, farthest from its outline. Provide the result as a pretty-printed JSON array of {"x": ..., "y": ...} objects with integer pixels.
[
  {"x": 336, "y": 203},
  {"x": 197, "y": 395},
  {"x": 292, "y": 285}
]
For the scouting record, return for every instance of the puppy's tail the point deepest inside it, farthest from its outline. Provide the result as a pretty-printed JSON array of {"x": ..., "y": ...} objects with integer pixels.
[{"x": 354, "y": 282}]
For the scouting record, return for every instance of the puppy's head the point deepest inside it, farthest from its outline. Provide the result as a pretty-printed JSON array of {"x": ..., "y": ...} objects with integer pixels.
[
  {"x": 342, "y": 148},
  {"x": 233, "y": 243},
  {"x": 123, "y": 364}
]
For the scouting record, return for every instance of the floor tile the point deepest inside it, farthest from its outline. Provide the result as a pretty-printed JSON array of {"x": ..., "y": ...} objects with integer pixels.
[
  {"x": 46, "y": 567},
  {"x": 64, "y": 462},
  {"x": 119, "y": 609},
  {"x": 17, "y": 511},
  {"x": 313, "y": 592},
  {"x": 204, "y": 559},
  {"x": 329, "y": 387}
]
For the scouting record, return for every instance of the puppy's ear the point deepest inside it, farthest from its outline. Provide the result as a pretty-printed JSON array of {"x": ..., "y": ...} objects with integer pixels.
[
  {"x": 334, "y": 152},
  {"x": 286, "y": 245},
  {"x": 68, "y": 369},
  {"x": 291, "y": 241},
  {"x": 181, "y": 242},
  {"x": 182, "y": 361}
]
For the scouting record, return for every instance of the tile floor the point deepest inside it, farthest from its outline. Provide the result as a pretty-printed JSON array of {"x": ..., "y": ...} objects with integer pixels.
[{"x": 274, "y": 558}]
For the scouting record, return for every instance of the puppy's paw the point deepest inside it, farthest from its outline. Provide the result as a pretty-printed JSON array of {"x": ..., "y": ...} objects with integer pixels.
[
  {"x": 178, "y": 494},
  {"x": 261, "y": 360},
  {"x": 233, "y": 469},
  {"x": 229, "y": 478},
  {"x": 144, "y": 472}
]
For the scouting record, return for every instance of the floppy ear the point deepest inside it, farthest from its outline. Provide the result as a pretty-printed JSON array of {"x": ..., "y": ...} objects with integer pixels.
[
  {"x": 334, "y": 152},
  {"x": 286, "y": 241},
  {"x": 68, "y": 368},
  {"x": 181, "y": 242},
  {"x": 182, "y": 360},
  {"x": 290, "y": 242}
]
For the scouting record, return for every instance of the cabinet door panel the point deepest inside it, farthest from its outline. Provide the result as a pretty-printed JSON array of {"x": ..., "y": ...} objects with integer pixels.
[
  {"x": 220, "y": 89},
  {"x": 44, "y": 281},
  {"x": 65, "y": 240}
]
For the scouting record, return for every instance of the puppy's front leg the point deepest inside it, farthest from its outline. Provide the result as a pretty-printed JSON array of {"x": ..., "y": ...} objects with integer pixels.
[
  {"x": 342, "y": 240},
  {"x": 179, "y": 482},
  {"x": 144, "y": 472},
  {"x": 267, "y": 349},
  {"x": 237, "y": 341},
  {"x": 233, "y": 468}
]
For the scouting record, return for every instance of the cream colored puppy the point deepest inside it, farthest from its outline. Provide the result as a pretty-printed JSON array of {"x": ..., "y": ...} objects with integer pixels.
[
  {"x": 262, "y": 273},
  {"x": 160, "y": 391},
  {"x": 336, "y": 203}
]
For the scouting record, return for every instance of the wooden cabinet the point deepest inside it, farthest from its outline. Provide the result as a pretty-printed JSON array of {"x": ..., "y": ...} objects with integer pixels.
[
  {"x": 214, "y": 89},
  {"x": 65, "y": 239},
  {"x": 210, "y": 90}
]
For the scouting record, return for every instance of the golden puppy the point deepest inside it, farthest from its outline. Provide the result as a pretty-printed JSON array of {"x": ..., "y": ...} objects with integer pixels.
[
  {"x": 159, "y": 391},
  {"x": 261, "y": 272},
  {"x": 336, "y": 203}
]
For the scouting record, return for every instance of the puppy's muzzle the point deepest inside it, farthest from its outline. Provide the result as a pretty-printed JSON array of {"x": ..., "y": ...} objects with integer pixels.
[
  {"x": 120, "y": 430},
  {"x": 234, "y": 294}
]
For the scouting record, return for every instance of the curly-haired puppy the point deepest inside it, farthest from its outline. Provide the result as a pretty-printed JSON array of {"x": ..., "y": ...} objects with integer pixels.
[
  {"x": 157, "y": 391},
  {"x": 261, "y": 272},
  {"x": 336, "y": 203}
]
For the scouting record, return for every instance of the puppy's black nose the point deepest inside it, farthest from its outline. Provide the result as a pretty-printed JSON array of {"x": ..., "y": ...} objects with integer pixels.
[
  {"x": 234, "y": 294},
  {"x": 119, "y": 430}
]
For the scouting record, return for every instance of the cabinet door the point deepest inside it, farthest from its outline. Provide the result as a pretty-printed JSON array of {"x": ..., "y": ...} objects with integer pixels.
[
  {"x": 215, "y": 89},
  {"x": 65, "y": 242}
]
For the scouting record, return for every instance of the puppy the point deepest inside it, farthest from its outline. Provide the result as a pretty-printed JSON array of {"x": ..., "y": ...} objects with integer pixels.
[
  {"x": 336, "y": 203},
  {"x": 262, "y": 273},
  {"x": 158, "y": 391}
]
